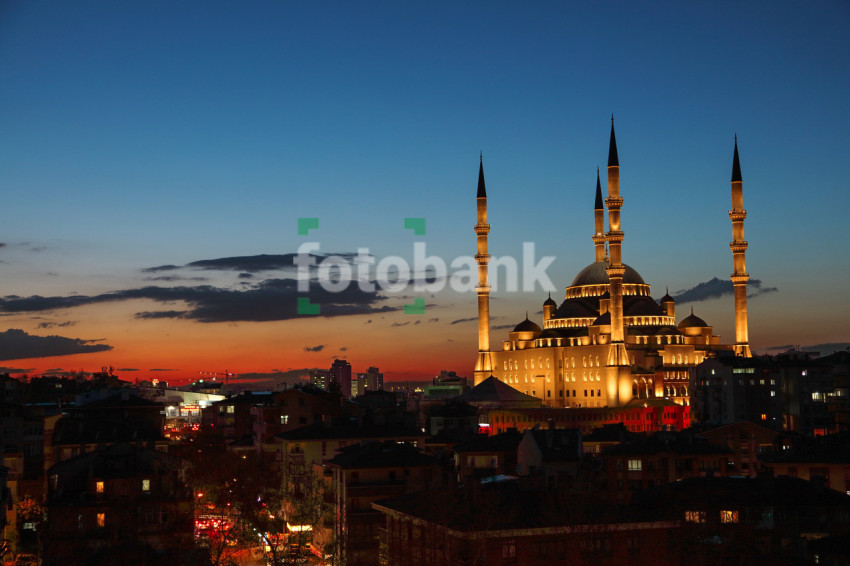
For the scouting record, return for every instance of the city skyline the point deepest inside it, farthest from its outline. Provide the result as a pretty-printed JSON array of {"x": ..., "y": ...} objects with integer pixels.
[{"x": 159, "y": 160}]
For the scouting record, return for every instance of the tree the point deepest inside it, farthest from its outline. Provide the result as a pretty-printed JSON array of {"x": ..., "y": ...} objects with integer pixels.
[
  {"x": 238, "y": 499},
  {"x": 305, "y": 502}
]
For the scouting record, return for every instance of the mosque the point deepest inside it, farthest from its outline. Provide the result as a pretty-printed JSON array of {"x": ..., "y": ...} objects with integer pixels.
[{"x": 608, "y": 342}]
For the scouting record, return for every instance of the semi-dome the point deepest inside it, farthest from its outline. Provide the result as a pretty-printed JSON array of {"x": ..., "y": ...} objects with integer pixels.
[
  {"x": 596, "y": 274},
  {"x": 692, "y": 321},
  {"x": 526, "y": 326}
]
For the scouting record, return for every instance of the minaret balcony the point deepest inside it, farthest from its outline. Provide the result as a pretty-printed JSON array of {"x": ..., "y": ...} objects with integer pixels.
[
  {"x": 614, "y": 237},
  {"x": 740, "y": 278},
  {"x": 614, "y": 202},
  {"x": 482, "y": 289},
  {"x": 482, "y": 229},
  {"x": 616, "y": 271},
  {"x": 737, "y": 215},
  {"x": 738, "y": 247},
  {"x": 482, "y": 258}
]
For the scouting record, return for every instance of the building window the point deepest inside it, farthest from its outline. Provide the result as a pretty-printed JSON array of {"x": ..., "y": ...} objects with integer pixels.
[
  {"x": 284, "y": 419},
  {"x": 509, "y": 550},
  {"x": 728, "y": 516},
  {"x": 695, "y": 516},
  {"x": 146, "y": 485},
  {"x": 99, "y": 487},
  {"x": 101, "y": 519},
  {"x": 230, "y": 408},
  {"x": 635, "y": 465}
]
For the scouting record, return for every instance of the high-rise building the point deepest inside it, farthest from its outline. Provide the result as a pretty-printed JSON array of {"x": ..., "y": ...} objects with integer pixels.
[
  {"x": 340, "y": 377},
  {"x": 320, "y": 378},
  {"x": 608, "y": 341},
  {"x": 374, "y": 379}
]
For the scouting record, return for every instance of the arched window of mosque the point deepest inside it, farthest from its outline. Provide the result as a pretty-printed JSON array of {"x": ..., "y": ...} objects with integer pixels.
[
  {"x": 526, "y": 363},
  {"x": 573, "y": 360},
  {"x": 505, "y": 366},
  {"x": 547, "y": 363},
  {"x": 687, "y": 359},
  {"x": 680, "y": 359},
  {"x": 532, "y": 364},
  {"x": 597, "y": 361},
  {"x": 597, "y": 376},
  {"x": 584, "y": 376},
  {"x": 584, "y": 361}
]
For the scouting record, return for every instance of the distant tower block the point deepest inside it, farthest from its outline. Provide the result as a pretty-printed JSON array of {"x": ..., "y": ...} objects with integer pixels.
[
  {"x": 739, "y": 252},
  {"x": 483, "y": 365}
]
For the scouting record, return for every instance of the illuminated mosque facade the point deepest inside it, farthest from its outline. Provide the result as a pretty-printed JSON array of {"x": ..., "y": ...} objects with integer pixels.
[{"x": 608, "y": 342}]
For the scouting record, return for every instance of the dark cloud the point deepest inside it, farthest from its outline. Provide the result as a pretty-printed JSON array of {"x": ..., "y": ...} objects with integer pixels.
[
  {"x": 249, "y": 263},
  {"x": 503, "y": 326},
  {"x": 161, "y": 314},
  {"x": 57, "y": 324},
  {"x": 343, "y": 349},
  {"x": 824, "y": 349},
  {"x": 273, "y": 378},
  {"x": 433, "y": 320},
  {"x": 162, "y": 369},
  {"x": 318, "y": 348},
  {"x": 172, "y": 278},
  {"x": 15, "y": 344},
  {"x": 246, "y": 275},
  {"x": 15, "y": 370},
  {"x": 273, "y": 299},
  {"x": 127, "y": 369},
  {"x": 462, "y": 320},
  {"x": 400, "y": 323},
  {"x": 2, "y": 245},
  {"x": 716, "y": 288}
]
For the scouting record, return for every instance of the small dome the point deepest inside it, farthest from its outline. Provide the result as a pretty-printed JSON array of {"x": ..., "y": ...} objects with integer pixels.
[
  {"x": 526, "y": 326},
  {"x": 692, "y": 321},
  {"x": 666, "y": 299},
  {"x": 550, "y": 302}
]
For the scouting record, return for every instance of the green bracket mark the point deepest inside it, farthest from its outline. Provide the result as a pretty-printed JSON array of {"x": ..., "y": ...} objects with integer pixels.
[
  {"x": 307, "y": 224},
  {"x": 415, "y": 224},
  {"x": 304, "y": 306},
  {"x": 418, "y": 307}
]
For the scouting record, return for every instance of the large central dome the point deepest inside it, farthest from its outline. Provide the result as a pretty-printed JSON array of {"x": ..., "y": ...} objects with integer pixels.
[{"x": 596, "y": 274}]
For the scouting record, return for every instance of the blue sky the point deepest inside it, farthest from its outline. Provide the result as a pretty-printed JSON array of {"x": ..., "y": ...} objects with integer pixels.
[{"x": 142, "y": 134}]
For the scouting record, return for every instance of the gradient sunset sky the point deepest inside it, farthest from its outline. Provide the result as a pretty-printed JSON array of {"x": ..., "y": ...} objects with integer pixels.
[{"x": 157, "y": 156}]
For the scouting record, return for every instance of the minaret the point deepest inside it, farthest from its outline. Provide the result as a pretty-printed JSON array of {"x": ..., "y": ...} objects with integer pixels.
[
  {"x": 739, "y": 250},
  {"x": 599, "y": 222},
  {"x": 483, "y": 366},
  {"x": 620, "y": 390},
  {"x": 616, "y": 270}
]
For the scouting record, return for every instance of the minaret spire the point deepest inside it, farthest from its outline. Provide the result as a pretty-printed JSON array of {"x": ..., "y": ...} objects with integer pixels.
[
  {"x": 739, "y": 251},
  {"x": 483, "y": 365},
  {"x": 618, "y": 357},
  {"x": 599, "y": 222}
]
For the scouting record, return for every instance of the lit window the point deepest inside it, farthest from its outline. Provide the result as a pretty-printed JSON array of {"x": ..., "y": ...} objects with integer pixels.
[
  {"x": 695, "y": 516},
  {"x": 284, "y": 419},
  {"x": 635, "y": 465},
  {"x": 230, "y": 408},
  {"x": 728, "y": 516},
  {"x": 99, "y": 487},
  {"x": 816, "y": 396},
  {"x": 146, "y": 485},
  {"x": 101, "y": 519}
]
